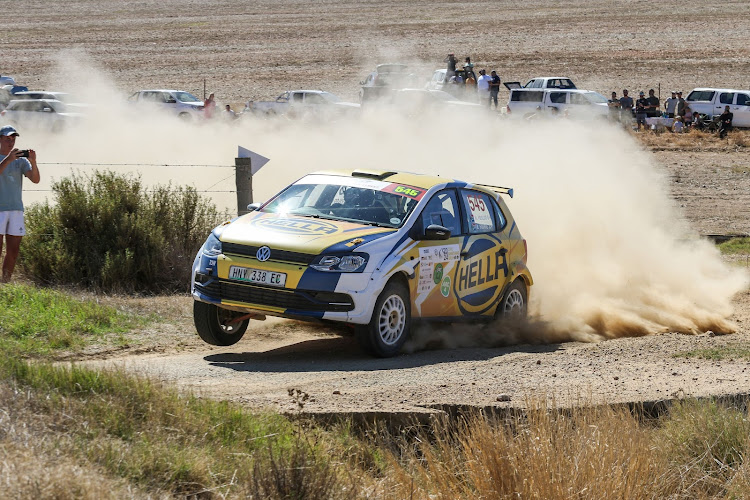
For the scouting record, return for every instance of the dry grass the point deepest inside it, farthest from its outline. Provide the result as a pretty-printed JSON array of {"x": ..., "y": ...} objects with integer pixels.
[{"x": 694, "y": 140}]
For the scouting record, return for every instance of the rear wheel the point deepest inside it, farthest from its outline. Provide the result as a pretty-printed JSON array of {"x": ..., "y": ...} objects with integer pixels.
[
  {"x": 514, "y": 303},
  {"x": 217, "y": 326},
  {"x": 390, "y": 324}
]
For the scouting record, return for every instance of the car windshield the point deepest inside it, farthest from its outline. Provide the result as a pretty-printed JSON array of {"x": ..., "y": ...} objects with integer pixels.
[
  {"x": 186, "y": 97},
  {"x": 351, "y": 199},
  {"x": 595, "y": 98}
]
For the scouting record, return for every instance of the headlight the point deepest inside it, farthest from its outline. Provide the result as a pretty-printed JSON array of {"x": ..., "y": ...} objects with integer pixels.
[
  {"x": 351, "y": 263},
  {"x": 212, "y": 246}
]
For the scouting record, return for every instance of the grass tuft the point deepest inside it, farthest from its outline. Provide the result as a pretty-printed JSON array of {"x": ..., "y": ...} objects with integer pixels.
[{"x": 37, "y": 321}]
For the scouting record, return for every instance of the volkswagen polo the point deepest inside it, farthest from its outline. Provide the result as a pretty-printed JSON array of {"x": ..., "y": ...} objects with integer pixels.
[{"x": 374, "y": 249}]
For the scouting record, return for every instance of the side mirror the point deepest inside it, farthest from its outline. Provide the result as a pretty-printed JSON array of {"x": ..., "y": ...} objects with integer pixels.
[
  {"x": 253, "y": 207},
  {"x": 436, "y": 232},
  {"x": 47, "y": 110},
  {"x": 171, "y": 100}
]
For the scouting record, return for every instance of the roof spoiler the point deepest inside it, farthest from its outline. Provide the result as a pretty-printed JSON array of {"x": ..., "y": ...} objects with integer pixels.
[{"x": 498, "y": 189}]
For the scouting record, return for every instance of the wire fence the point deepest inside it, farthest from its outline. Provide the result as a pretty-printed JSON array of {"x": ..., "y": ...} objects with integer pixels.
[{"x": 177, "y": 165}]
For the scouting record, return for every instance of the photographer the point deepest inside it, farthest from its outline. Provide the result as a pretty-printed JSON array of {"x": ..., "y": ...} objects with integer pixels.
[{"x": 14, "y": 165}]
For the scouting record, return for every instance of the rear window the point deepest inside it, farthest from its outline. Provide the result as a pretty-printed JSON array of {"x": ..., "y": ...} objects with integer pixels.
[
  {"x": 701, "y": 95},
  {"x": 526, "y": 96},
  {"x": 726, "y": 97}
]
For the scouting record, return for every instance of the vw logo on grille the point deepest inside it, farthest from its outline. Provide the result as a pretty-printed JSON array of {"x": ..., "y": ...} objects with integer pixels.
[{"x": 263, "y": 254}]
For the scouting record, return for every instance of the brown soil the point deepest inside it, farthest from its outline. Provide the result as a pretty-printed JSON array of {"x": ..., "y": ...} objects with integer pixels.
[{"x": 256, "y": 50}]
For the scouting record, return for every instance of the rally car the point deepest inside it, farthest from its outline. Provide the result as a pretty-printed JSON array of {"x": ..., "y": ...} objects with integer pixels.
[{"x": 374, "y": 249}]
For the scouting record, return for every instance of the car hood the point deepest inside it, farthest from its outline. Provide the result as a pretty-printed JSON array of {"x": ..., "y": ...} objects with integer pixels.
[{"x": 299, "y": 234}]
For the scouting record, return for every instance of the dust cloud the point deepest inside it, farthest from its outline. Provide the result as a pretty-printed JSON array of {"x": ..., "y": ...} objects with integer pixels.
[{"x": 610, "y": 254}]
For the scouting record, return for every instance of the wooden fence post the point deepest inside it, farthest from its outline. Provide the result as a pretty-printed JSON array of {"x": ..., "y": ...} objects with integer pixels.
[{"x": 243, "y": 178}]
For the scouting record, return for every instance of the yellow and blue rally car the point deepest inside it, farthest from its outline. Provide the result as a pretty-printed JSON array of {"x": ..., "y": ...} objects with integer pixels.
[{"x": 375, "y": 249}]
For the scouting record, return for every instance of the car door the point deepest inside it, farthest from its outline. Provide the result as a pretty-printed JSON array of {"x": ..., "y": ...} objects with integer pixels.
[
  {"x": 741, "y": 110},
  {"x": 432, "y": 290},
  {"x": 482, "y": 272}
]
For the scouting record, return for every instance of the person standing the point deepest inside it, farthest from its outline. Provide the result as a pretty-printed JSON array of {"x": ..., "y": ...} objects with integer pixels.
[
  {"x": 681, "y": 104},
  {"x": 626, "y": 108},
  {"x": 494, "y": 89},
  {"x": 451, "y": 61},
  {"x": 614, "y": 107},
  {"x": 725, "y": 122},
  {"x": 14, "y": 166},
  {"x": 652, "y": 110},
  {"x": 641, "y": 106},
  {"x": 483, "y": 86},
  {"x": 670, "y": 104},
  {"x": 209, "y": 106}
]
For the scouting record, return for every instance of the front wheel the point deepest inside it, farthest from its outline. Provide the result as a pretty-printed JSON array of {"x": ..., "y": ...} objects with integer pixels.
[
  {"x": 217, "y": 326},
  {"x": 514, "y": 303},
  {"x": 390, "y": 324}
]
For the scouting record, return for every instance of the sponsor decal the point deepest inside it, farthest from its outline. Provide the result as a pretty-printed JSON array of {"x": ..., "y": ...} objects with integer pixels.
[
  {"x": 434, "y": 261},
  {"x": 445, "y": 288},
  {"x": 297, "y": 226},
  {"x": 437, "y": 274},
  {"x": 481, "y": 275},
  {"x": 408, "y": 191}
]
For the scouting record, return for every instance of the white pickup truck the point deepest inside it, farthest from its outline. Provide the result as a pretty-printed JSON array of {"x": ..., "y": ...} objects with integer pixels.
[
  {"x": 296, "y": 103},
  {"x": 530, "y": 101},
  {"x": 711, "y": 102}
]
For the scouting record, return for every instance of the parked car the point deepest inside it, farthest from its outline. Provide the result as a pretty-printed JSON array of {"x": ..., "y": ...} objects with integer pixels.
[
  {"x": 295, "y": 103},
  {"x": 44, "y": 114},
  {"x": 544, "y": 82},
  {"x": 7, "y": 80},
  {"x": 457, "y": 88},
  {"x": 711, "y": 102},
  {"x": 42, "y": 94},
  {"x": 416, "y": 101},
  {"x": 8, "y": 93},
  {"x": 177, "y": 102},
  {"x": 374, "y": 249},
  {"x": 577, "y": 102},
  {"x": 386, "y": 79}
]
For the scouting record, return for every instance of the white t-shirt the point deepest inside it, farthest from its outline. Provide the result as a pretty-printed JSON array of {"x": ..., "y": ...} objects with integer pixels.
[{"x": 483, "y": 83}]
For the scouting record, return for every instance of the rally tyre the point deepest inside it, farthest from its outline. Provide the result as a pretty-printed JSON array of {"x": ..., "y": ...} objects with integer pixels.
[
  {"x": 390, "y": 324},
  {"x": 514, "y": 303},
  {"x": 215, "y": 325}
]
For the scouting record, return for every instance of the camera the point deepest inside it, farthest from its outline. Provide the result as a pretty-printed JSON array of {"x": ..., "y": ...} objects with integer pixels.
[{"x": 23, "y": 153}]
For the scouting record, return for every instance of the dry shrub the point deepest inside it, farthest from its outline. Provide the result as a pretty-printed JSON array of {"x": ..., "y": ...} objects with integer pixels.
[{"x": 582, "y": 453}]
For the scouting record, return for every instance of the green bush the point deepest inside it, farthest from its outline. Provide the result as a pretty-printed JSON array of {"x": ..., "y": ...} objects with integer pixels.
[{"x": 108, "y": 233}]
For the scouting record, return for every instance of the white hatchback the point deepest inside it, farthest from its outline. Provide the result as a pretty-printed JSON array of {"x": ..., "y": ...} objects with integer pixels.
[{"x": 45, "y": 114}]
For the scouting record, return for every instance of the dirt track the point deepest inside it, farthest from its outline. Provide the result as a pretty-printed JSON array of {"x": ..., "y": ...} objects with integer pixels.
[{"x": 255, "y": 51}]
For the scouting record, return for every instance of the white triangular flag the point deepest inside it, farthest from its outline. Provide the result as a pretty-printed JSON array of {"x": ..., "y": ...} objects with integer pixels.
[{"x": 256, "y": 160}]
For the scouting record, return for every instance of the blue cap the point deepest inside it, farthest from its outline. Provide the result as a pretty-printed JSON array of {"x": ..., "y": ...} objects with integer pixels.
[{"x": 8, "y": 130}]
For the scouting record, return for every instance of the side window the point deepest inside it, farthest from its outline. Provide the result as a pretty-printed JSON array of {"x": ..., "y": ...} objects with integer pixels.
[
  {"x": 726, "y": 97},
  {"x": 743, "y": 100},
  {"x": 297, "y": 97},
  {"x": 501, "y": 220},
  {"x": 701, "y": 95},
  {"x": 478, "y": 209},
  {"x": 557, "y": 97},
  {"x": 442, "y": 209}
]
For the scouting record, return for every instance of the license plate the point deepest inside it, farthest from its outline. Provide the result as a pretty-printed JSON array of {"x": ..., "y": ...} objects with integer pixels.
[{"x": 257, "y": 276}]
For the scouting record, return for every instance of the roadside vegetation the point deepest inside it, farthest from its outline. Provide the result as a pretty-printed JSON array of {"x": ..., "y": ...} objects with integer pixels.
[
  {"x": 72, "y": 432},
  {"x": 107, "y": 232},
  {"x": 37, "y": 321},
  {"x": 694, "y": 140}
]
